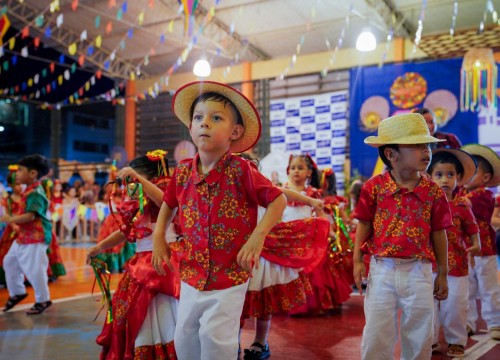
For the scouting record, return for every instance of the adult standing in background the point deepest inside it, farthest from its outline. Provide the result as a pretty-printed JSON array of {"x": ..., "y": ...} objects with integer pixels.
[{"x": 452, "y": 141}]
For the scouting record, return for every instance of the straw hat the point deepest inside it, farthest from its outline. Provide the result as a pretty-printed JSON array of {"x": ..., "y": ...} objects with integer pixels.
[
  {"x": 403, "y": 129},
  {"x": 187, "y": 94},
  {"x": 468, "y": 162},
  {"x": 490, "y": 156}
]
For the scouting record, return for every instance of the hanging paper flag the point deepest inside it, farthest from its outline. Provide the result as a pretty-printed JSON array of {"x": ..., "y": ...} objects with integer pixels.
[
  {"x": 132, "y": 75},
  {"x": 152, "y": 51},
  {"x": 24, "y": 86},
  {"x": 122, "y": 44},
  {"x": 62, "y": 58},
  {"x": 44, "y": 73},
  {"x": 73, "y": 68},
  {"x": 52, "y": 67},
  {"x": 36, "y": 42},
  {"x": 39, "y": 21},
  {"x": 140, "y": 18},
  {"x": 130, "y": 33},
  {"x": 112, "y": 56},
  {"x": 189, "y": 6},
  {"x": 112, "y": 3},
  {"x": 47, "y": 87},
  {"x": 1, "y": 51},
  {"x": 37, "y": 94},
  {"x": 80, "y": 91},
  {"x": 98, "y": 74},
  {"x": 98, "y": 41},
  {"x": 146, "y": 60},
  {"x": 97, "y": 21},
  {"x": 54, "y": 6},
  {"x": 54, "y": 85},
  {"x": 124, "y": 7},
  {"x": 24, "y": 53},
  {"x": 30, "y": 82},
  {"x": 109, "y": 27},
  {"x": 74, "y": 5},
  {"x": 81, "y": 60},
  {"x": 60, "y": 20},
  {"x": 48, "y": 32},
  {"x": 43, "y": 91},
  {"x": 12, "y": 43},
  {"x": 25, "y": 32},
  {"x": 212, "y": 12},
  {"x": 106, "y": 65},
  {"x": 162, "y": 38},
  {"x": 119, "y": 14},
  {"x": 67, "y": 75},
  {"x": 87, "y": 86},
  {"x": 14, "y": 58},
  {"x": 171, "y": 26},
  {"x": 36, "y": 78},
  {"x": 83, "y": 35},
  {"x": 92, "y": 80},
  {"x": 72, "y": 49}
]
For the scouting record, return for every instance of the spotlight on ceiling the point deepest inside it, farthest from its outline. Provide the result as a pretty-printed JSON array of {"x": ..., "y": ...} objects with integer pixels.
[
  {"x": 202, "y": 68},
  {"x": 366, "y": 41}
]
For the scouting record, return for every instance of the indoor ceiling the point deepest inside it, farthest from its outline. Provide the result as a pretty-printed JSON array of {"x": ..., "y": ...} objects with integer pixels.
[{"x": 147, "y": 36}]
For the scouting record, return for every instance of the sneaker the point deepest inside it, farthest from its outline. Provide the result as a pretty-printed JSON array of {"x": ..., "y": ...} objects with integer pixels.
[{"x": 495, "y": 333}]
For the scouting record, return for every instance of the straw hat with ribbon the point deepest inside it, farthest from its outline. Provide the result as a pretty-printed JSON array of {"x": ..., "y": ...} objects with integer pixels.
[
  {"x": 468, "y": 163},
  {"x": 403, "y": 129},
  {"x": 490, "y": 156},
  {"x": 186, "y": 95}
]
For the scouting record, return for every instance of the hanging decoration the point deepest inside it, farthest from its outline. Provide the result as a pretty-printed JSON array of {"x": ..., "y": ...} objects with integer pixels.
[
  {"x": 4, "y": 26},
  {"x": 189, "y": 6},
  {"x": 420, "y": 27},
  {"x": 478, "y": 80}
]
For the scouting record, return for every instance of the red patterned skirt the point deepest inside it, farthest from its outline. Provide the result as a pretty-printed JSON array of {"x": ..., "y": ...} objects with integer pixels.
[{"x": 144, "y": 309}]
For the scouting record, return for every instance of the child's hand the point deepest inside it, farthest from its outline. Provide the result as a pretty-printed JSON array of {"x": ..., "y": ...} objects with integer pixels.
[
  {"x": 441, "y": 287},
  {"x": 473, "y": 250},
  {"x": 472, "y": 262},
  {"x": 317, "y": 204},
  {"x": 359, "y": 272},
  {"x": 161, "y": 254},
  {"x": 250, "y": 253},
  {"x": 93, "y": 251},
  {"x": 5, "y": 218},
  {"x": 127, "y": 172}
]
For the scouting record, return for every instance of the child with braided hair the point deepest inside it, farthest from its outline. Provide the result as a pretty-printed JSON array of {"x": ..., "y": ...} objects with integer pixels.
[{"x": 144, "y": 306}]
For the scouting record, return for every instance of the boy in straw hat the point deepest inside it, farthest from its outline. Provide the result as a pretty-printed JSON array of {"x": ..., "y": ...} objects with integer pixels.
[
  {"x": 451, "y": 168},
  {"x": 217, "y": 194},
  {"x": 483, "y": 279},
  {"x": 402, "y": 220}
]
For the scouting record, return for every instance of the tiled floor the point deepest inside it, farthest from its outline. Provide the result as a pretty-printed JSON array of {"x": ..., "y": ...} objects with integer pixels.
[{"x": 67, "y": 329}]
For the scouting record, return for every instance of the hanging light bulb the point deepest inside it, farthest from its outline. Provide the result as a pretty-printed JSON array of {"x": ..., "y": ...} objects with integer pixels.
[
  {"x": 202, "y": 68},
  {"x": 366, "y": 41}
]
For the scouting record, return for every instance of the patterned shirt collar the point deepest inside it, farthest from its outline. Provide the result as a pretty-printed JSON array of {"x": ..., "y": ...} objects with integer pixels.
[
  {"x": 213, "y": 175},
  {"x": 391, "y": 187}
]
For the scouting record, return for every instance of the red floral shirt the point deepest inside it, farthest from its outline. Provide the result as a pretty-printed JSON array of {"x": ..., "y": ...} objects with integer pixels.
[
  {"x": 451, "y": 142},
  {"x": 217, "y": 214},
  {"x": 483, "y": 204},
  {"x": 402, "y": 220},
  {"x": 464, "y": 225},
  {"x": 40, "y": 229}
]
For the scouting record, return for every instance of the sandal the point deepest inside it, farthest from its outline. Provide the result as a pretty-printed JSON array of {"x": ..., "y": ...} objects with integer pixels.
[
  {"x": 13, "y": 301},
  {"x": 39, "y": 308},
  {"x": 455, "y": 351},
  {"x": 252, "y": 354}
]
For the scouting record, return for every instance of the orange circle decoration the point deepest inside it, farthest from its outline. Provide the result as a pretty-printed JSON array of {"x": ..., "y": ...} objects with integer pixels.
[{"x": 408, "y": 90}]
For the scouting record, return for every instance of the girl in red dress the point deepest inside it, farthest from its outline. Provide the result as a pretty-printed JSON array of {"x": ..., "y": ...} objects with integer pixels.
[{"x": 144, "y": 306}]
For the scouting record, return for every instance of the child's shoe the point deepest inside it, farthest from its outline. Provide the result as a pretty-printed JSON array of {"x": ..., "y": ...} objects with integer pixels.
[
  {"x": 495, "y": 333},
  {"x": 251, "y": 354},
  {"x": 455, "y": 351}
]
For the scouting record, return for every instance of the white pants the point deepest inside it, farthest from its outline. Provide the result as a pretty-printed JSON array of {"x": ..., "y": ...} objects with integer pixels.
[
  {"x": 208, "y": 323},
  {"x": 452, "y": 312},
  {"x": 398, "y": 284},
  {"x": 30, "y": 260},
  {"x": 483, "y": 284}
]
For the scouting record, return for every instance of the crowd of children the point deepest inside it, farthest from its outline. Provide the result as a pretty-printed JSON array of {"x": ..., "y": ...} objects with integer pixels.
[{"x": 217, "y": 243}]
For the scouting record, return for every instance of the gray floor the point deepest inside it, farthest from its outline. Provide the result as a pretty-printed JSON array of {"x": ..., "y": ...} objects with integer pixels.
[{"x": 65, "y": 331}]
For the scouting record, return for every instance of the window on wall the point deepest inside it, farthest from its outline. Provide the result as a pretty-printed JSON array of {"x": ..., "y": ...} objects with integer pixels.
[
  {"x": 92, "y": 122},
  {"x": 87, "y": 146}
]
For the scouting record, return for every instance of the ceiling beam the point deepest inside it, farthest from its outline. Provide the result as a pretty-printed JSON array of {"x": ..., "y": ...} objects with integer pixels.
[
  {"x": 65, "y": 36},
  {"x": 392, "y": 17}
]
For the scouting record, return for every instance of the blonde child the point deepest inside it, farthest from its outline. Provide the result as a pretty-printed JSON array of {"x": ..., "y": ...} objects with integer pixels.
[
  {"x": 144, "y": 308},
  {"x": 402, "y": 220},
  {"x": 483, "y": 281},
  {"x": 451, "y": 168},
  {"x": 217, "y": 195},
  {"x": 28, "y": 254}
]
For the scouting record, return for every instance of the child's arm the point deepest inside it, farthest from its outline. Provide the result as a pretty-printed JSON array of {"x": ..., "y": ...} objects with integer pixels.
[
  {"x": 363, "y": 230},
  {"x": 440, "y": 246},
  {"x": 18, "y": 219},
  {"x": 161, "y": 250},
  {"x": 153, "y": 192},
  {"x": 112, "y": 240},
  {"x": 250, "y": 252},
  {"x": 295, "y": 196},
  {"x": 476, "y": 245}
]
